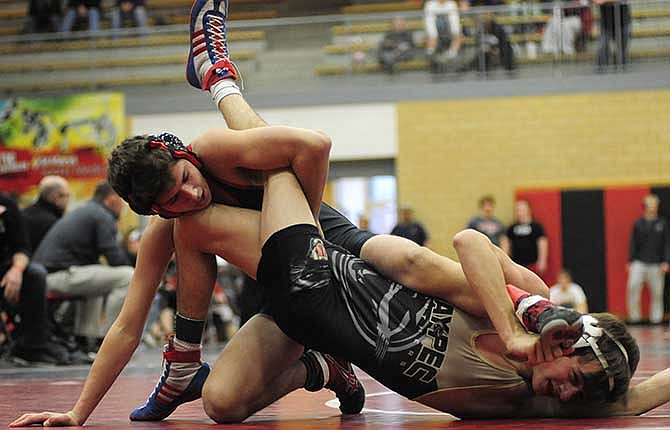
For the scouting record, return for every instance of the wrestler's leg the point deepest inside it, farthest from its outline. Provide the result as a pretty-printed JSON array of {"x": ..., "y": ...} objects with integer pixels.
[
  {"x": 237, "y": 241},
  {"x": 422, "y": 270},
  {"x": 258, "y": 366},
  {"x": 183, "y": 371},
  {"x": 238, "y": 114},
  {"x": 284, "y": 204},
  {"x": 432, "y": 274}
]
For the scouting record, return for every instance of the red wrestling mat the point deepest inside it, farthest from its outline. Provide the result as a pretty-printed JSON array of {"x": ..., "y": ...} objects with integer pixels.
[{"x": 302, "y": 410}]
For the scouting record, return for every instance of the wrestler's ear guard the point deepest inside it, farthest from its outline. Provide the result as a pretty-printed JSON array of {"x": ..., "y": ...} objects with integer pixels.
[{"x": 177, "y": 149}]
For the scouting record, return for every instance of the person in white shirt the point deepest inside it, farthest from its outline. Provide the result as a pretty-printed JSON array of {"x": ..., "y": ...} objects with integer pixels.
[
  {"x": 439, "y": 14},
  {"x": 567, "y": 293}
]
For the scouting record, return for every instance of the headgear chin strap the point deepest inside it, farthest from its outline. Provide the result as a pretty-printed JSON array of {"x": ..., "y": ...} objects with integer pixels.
[
  {"x": 178, "y": 150},
  {"x": 592, "y": 332}
]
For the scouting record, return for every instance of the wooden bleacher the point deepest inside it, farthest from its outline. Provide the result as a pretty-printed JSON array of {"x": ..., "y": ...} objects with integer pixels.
[
  {"x": 239, "y": 15},
  {"x": 93, "y": 84},
  {"x": 49, "y": 66},
  {"x": 422, "y": 64},
  {"x": 178, "y": 11},
  {"x": 398, "y": 6},
  {"x": 344, "y": 49},
  {"x": 365, "y": 37},
  {"x": 157, "y": 40}
]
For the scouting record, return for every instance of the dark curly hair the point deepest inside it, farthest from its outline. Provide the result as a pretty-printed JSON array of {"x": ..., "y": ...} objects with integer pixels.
[
  {"x": 596, "y": 384},
  {"x": 139, "y": 174}
]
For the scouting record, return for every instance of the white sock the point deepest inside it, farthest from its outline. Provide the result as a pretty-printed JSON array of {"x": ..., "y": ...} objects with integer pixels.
[{"x": 223, "y": 88}]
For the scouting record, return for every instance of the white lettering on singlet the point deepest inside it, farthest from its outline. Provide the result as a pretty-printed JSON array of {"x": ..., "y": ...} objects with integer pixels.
[{"x": 429, "y": 360}]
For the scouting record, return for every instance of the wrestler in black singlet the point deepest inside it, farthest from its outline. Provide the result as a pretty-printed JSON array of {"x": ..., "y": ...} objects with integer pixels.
[{"x": 327, "y": 299}]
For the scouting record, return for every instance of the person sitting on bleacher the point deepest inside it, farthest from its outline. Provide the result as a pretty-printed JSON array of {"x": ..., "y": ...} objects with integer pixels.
[
  {"x": 23, "y": 288},
  {"x": 396, "y": 46},
  {"x": 78, "y": 11},
  {"x": 564, "y": 30},
  {"x": 443, "y": 29},
  {"x": 128, "y": 13},
  {"x": 43, "y": 16}
]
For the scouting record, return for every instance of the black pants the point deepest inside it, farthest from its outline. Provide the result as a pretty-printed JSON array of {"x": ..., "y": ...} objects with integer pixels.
[{"x": 32, "y": 306}]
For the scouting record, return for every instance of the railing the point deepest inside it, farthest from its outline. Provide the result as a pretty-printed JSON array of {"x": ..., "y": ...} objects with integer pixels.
[{"x": 554, "y": 34}]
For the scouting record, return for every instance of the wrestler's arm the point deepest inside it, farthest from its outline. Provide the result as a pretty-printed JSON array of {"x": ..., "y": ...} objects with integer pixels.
[
  {"x": 124, "y": 335},
  {"x": 486, "y": 274},
  {"x": 266, "y": 148}
]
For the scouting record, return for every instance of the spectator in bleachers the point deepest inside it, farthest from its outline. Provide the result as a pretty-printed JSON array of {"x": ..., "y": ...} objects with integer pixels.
[
  {"x": 568, "y": 294},
  {"x": 496, "y": 45},
  {"x": 528, "y": 9},
  {"x": 486, "y": 222},
  {"x": 615, "y": 21},
  {"x": 52, "y": 200},
  {"x": 23, "y": 286},
  {"x": 492, "y": 42},
  {"x": 562, "y": 31},
  {"x": 128, "y": 13},
  {"x": 409, "y": 228},
  {"x": 527, "y": 244},
  {"x": 649, "y": 260},
  {"x": 44, "y": 16},
  {"x": 79, "y": 11},
  {"x": 397, "y": 45},
  {"x": 71, "y": 252},
  {"x": 443, "y": 28}
]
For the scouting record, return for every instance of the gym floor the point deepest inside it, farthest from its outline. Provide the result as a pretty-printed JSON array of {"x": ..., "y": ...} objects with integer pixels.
[{"x": 56, "y": 389}]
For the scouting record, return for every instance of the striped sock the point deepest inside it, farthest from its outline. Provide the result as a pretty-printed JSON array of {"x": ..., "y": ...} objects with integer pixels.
[{"x": 179, "y": 374}]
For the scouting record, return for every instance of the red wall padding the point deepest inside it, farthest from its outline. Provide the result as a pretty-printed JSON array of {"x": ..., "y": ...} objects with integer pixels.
[
  {"x": 546, "y": 206},
  {"x": 622, "y": 207}
]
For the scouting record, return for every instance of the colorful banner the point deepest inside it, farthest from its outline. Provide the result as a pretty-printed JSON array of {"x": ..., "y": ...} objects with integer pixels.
[{"x": 68, "y": 136}]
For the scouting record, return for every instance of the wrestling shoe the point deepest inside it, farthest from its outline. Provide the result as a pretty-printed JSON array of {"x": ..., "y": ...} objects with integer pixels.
[
  {"x": 208, "y": 58},
  {"x": 556, "y": 325},
  {"x": 166, "y": 397},
  {"x": 340, "y": 378}
]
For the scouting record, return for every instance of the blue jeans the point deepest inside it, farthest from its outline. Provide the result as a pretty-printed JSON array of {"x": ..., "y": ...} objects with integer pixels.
[
  {"x": 139, "y": 17},
  {"x": 71, "y": 16}
]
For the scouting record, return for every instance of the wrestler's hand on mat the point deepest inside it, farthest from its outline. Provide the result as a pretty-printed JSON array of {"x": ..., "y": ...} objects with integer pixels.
[
  {"x": 47, "y": 419},
  {"x": 529, "y": 348}
]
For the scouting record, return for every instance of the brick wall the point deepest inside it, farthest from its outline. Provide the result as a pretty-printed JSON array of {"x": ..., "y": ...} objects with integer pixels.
[{"x": 452, "y": 152}]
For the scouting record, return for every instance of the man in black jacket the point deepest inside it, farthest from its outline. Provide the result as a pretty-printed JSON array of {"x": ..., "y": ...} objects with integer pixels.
[{"x": 52, "y": 200}]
